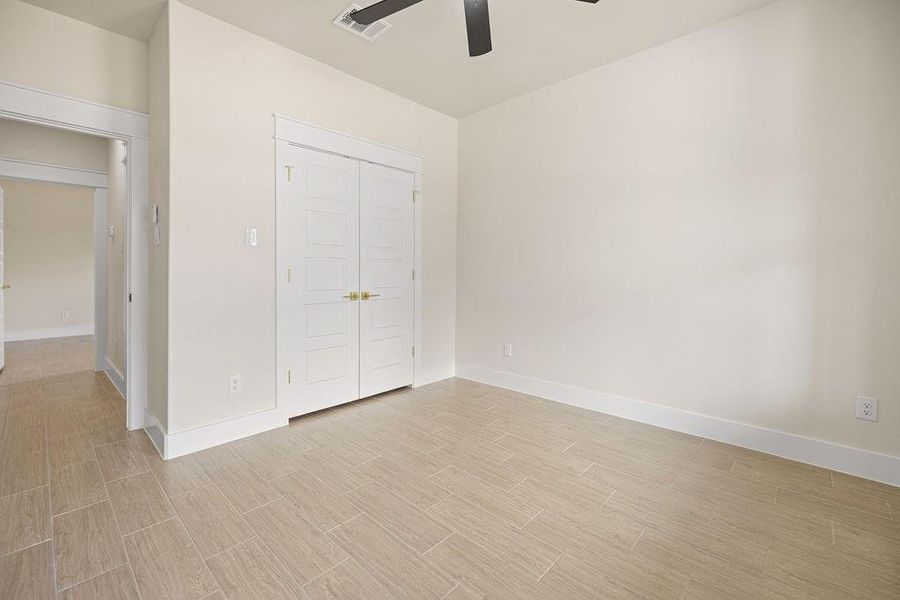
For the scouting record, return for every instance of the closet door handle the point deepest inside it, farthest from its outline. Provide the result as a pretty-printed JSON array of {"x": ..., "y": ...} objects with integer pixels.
[
  {"x": 352, "y": 296},
  {"x": 368, "y": 295}
]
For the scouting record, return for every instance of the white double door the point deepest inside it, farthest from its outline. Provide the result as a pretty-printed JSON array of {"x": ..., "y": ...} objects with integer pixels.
[{"x": 345, "y": 246}]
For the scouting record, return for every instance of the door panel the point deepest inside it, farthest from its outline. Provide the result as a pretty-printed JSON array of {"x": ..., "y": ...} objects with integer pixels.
[
  {"x": 318, "y": 264},
  {"x": 386, "y": 263}
]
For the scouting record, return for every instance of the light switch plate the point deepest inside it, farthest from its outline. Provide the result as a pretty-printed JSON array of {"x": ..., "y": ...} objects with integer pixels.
[{"x": 251, "y": 237}]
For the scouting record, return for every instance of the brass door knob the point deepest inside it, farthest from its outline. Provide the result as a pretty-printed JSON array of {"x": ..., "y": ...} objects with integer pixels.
[
  {"x": 368, "y": 295},
  {"x": 352, "y": 296},
  {"x": 5, "y": 286}
]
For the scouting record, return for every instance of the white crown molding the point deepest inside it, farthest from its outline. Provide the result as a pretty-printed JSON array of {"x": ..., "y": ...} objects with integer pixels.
[
  {"x": 853, "y": 461},
  {"x": 36, "y": 171}
]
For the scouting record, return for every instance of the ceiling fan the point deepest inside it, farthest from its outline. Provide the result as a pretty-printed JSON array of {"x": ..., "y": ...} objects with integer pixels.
[{"x": 478, "y": 22}]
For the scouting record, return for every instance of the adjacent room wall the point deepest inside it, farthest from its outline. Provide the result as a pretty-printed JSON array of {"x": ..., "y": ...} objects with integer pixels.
[
  {"x": 158, "y": 340},
  {"x": 225, "y": 86},
  {"x": 49, "y": 259},
  {"x": 710, "y": 225},
  {"x": 117, "y": 187},
  {"x": 35, "y": 143},
  {"x": 48, "y": 51}
]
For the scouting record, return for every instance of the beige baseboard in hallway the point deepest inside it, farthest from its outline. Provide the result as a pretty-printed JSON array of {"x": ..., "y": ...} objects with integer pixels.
[{"x": 453, "y": 490}]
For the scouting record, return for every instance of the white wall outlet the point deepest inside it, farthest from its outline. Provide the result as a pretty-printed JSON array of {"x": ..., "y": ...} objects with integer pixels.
[
  {"x": 251, "y": 237},
  {"x": 867, "y": 408},
  {"x": 507, "y": 349},
  {"x": 234, "y": 384},
  {"x": 64, "y": 315}
]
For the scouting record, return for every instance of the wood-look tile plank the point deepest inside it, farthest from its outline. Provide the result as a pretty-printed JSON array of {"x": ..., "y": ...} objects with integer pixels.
[
  {"x": 117, "y": 584},
  {"x": 508, "y": 542},
  {"x": 319, "y": 504},
  {"x": 86, "y": 543},
  {"x": 27, "y": 574},
  {"x": 868, "y": 546},
  {"x": 398, "y": 568},
  {"x": 345, "y": 581},
  {"x": 844, "y": 514},
  {"x": 403, "y": 519},
  {"x": 23, "y": 459},
  {"x": 241, "y": 485},
  {"x": 415, "y": 488},
  {"x": 297, "y": 543},
  {"x": 70, "y": 449},
  {"x": 118, "y": 460},
  {"x": 179, "y": 475},
  {"x": 139, "y": 502},
  {"x": 330, "y": 470},
  {"x": 410, "y": 458},
  {"x": 567, "y": 463},
  {"x": 479, "y": 570},
  {"x": 24, "y": 519},
  {"x": 563, "y": 493},
  {"x": 477, "y": 463},
  {"x": 76, "y": 485},
  {"x": 249, "y": 570},
  {"x": 211, "y": 520},
  {"x": 494, "y": 500},
  {"x": 166, "y": 563}
]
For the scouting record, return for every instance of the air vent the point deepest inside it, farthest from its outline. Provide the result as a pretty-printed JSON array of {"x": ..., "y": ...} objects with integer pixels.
[{"x": 369, "y": 32}]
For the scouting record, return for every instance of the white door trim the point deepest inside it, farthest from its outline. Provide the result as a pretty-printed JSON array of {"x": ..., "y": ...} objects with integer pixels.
[
  {"x": 36, "y": 171},
  {"x": 325, "y": 140},
  {"x": 314, "y": 137},
  {"x": 22, "y": 103}
]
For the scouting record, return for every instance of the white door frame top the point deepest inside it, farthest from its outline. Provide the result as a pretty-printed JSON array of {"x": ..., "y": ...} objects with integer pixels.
[
  {"x": 21, "y": 103},
  {"x": 310, "y": 136}
]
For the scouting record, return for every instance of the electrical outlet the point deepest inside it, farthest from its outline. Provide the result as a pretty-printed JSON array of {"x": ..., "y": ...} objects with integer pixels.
[
  {"x": 234, "y": 384},
  {"x": 64, "y": 315},
  {"x": 867, "y": 408},
  {"x": 507, "y": 349}
]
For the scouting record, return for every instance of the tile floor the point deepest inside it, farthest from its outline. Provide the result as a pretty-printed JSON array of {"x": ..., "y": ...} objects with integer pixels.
[{"x": 455, "y": 490}]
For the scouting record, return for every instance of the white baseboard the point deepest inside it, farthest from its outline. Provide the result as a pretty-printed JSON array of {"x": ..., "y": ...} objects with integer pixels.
[
  {"x": 115, "y": 376},
  {"x": 433, "y": 374},
  {"x": 853, "y": 461},
  {"x": 51, "y": 332},
  {"x": 155, "y": 431},
  {"x": 200, "y": 438}
]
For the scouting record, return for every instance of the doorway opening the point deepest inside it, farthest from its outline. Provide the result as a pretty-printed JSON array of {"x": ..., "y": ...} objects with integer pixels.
[
  {"x": 62, "y": 255},
  {"x": 129, "y": 131}
]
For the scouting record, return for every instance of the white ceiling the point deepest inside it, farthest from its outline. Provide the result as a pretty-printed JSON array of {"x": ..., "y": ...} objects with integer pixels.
[{"x": 424, "y": 56}]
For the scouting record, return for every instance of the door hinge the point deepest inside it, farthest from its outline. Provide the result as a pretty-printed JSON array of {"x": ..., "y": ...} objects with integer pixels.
[
  {"x": 129, "y": 296},
  {"x": 289, "y": 375},
  {"x": 414, "y": 274},
  {"x": 290, "y": 170},
  {"x": 289, "y": 275},
  {"x": 414, "y": 351},
  {"x": 414, "y": 196}
]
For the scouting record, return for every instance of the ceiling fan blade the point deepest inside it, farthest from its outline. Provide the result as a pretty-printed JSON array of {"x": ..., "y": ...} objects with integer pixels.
[
  {"x": 380, "y": 10},
  {"x": 478, "y": 27}
]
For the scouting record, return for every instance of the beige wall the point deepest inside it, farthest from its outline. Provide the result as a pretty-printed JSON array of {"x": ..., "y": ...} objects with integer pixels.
[
  {"x": 158, "y": 341},
  {"x": 49, "y": 252},
  {"x": 115, "y": 255},
  {"x": 709, "y": 225},
  {"x": 48, "y": 51},
  {"x": 226, "y": 83},
  {"x": 24, "y": 141}
]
